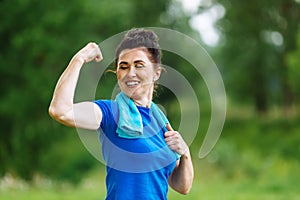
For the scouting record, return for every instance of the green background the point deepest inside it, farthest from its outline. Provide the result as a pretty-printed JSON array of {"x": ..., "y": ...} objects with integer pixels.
[{"x": 258, "y": 56}]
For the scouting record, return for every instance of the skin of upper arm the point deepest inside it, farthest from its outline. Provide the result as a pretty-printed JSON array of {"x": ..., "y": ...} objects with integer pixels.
[{"x": 86, "y": 115}]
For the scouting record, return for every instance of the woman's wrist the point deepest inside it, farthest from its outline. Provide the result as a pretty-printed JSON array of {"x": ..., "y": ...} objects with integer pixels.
[
  {"x": 78, "y": 59},
  {"x": 186, "y": 153}
]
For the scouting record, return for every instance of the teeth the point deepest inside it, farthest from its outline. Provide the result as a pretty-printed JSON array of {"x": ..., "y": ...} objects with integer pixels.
[{"x": 130, "y": 83}]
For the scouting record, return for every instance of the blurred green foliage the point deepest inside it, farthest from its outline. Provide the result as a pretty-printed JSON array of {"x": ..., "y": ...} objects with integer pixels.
[
  {"x": 258, "y": 56},
  {"x": 293, "y": 62},
  {"x": 38, "y": 38},
  {"x": 257, "y": 38}
]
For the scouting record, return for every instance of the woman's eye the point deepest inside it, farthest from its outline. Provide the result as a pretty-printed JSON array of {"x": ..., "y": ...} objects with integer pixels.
[
  {"x": 139, "y": 66},
  {"x": 122, "y": 67}
]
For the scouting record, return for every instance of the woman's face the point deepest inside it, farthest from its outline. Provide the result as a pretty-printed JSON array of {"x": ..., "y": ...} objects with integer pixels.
[{"x": 136, "y": 74}]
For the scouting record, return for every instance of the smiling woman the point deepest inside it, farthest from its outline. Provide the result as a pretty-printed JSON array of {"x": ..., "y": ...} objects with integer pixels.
[
  {"x": 143, "y": 154},
  {"x": 136, "y": 75}
]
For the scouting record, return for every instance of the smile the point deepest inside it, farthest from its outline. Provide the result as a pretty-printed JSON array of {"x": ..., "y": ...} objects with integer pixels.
[{"x": 132, "y": 83}]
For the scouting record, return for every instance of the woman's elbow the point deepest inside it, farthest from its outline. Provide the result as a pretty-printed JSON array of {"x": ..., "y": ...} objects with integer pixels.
[
  {"x": 54, "y": 112},
  {"x": 185, "y": 190},
  {"x": 57, "y": 114},
  {"x": 182, "y": 187}
]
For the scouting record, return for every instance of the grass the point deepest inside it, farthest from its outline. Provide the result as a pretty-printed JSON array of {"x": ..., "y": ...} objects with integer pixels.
[
  {"x": 240, "y": 189},
  {"x": 254, "y": 159},
  {"x": 91, "y": 187},
  {"x": 210, "y": 183}
]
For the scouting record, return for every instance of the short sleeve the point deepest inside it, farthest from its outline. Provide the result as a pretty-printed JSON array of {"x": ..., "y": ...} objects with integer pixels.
[{"x": 109, "y": 113}]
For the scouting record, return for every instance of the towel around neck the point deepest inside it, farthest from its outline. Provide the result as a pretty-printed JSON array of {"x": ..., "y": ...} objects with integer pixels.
[{"x": 130, "y": 123}]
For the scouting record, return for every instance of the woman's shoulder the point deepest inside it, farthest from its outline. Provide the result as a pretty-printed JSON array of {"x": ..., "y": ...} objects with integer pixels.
[
  {"x": 103, "y": 101},
  {"x": 108, "y": 107},
  {"x": 110, "y": 113}
]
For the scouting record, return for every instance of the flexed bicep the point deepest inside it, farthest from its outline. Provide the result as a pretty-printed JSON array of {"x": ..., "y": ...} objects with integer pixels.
[
  {"x": 62, "y": 107},
  {"x": 86, "y": 115}
]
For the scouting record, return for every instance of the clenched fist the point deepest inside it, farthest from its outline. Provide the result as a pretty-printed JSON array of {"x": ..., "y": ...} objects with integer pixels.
[
  {"x": 175, "y": 141},
  {"x": 89, "y": 53}
]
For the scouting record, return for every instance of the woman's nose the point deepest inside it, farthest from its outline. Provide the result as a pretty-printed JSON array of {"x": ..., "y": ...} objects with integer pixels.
[{"x": 132, "y": 71}]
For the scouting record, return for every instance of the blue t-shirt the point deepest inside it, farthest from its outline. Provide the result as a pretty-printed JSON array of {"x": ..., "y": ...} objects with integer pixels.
[{"x": 136, "y": 168}]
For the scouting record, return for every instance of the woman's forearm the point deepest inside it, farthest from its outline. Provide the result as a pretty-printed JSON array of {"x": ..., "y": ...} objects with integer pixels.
[
  {"x": 63, "y": 96},
  {"x": 182, "y": 177}
]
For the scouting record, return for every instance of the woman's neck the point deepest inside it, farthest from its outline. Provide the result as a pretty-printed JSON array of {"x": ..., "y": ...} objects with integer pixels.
[
  {"x": 146, "y": 99},
  {"x": 143, "y": 102}
]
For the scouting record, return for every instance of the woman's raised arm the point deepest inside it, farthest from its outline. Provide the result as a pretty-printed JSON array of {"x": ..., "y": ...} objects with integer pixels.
[{"x": 62, "y": 108}]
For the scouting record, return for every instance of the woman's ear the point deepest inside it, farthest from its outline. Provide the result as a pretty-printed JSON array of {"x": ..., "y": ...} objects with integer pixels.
[{"x": 157, "y": 73}]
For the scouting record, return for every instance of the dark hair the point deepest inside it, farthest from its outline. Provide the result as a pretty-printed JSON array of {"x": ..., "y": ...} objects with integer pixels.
[{"x": 139, "y": 37}]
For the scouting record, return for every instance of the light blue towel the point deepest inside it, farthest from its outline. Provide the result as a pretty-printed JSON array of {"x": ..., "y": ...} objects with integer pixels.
[{"x": 130, "y": 123}]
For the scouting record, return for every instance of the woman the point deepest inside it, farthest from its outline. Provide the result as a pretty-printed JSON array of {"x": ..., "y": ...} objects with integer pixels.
[{"x": 143, "y": 153}]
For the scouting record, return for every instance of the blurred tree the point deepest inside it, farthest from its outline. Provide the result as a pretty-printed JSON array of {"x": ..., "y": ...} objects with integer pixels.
[
  {"x": 257, "y": 35},
  {"x": 35, "y": 37},
  {"x": 290, "y": 13},
  {"x": 37, "y": 40},
  {"x": 293, "y": 62}
]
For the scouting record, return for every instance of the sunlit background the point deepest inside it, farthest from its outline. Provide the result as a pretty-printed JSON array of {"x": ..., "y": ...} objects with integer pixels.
[{"x": 255, "y": 45}]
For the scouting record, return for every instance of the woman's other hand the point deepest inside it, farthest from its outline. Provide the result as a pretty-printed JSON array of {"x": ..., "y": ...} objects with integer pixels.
[{"x": 175, "y": 141}]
